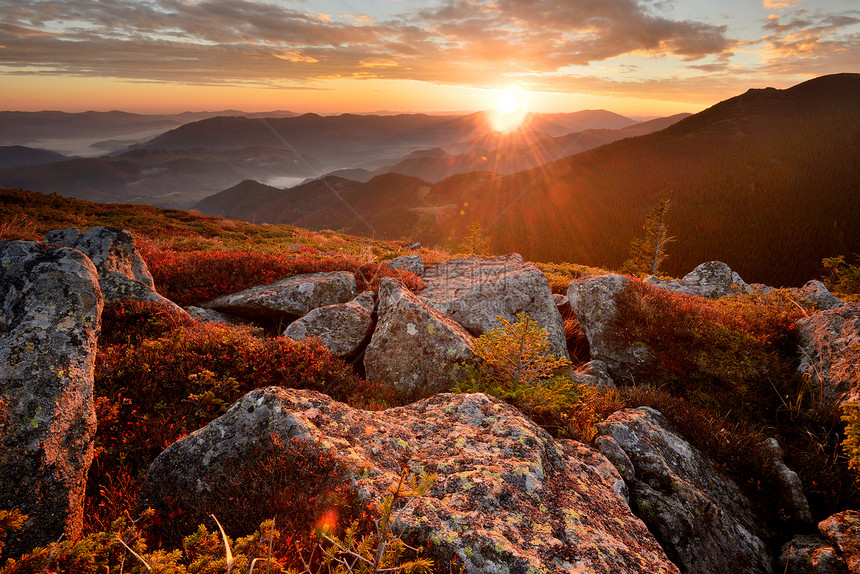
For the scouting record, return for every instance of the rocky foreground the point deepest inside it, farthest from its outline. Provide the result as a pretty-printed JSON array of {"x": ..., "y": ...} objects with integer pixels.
[{"x": 509, "y": 497}]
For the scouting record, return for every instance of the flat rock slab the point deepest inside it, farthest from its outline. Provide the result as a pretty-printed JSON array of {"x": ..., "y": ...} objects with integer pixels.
[
  {"x": 509, "y": 498},
  {"x": 288, "y": 299},
  {"x": 475, "y": 290},
  {"x": 415, "y": 349},
  {"x": 50, "y": 316}
]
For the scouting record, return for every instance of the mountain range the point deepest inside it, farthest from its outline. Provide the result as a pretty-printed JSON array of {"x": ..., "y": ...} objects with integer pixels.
[{"x": 768, "y": 182}]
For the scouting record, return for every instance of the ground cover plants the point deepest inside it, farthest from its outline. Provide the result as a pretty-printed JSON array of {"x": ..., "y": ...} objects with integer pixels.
[{"x": 725, "y": 379}]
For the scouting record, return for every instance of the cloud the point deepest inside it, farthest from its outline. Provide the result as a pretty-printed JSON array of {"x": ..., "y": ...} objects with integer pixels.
[
  {"x": 456, "y": 41},
  {"x": 781, "y": 3},
  {"x": 811, "y": 43}
]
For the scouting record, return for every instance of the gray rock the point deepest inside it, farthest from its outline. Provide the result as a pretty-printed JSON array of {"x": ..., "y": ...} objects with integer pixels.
[
  {"x": 49, "y": 324},
  {"x": 830, "y": 351},
  {"x": 211, "y": 316},
  {"x": 843, "y": 530},
  {"x": 288, "y": 299},
  {"x": 344, "y": 328},
  {"x": 805, "y": 554},
  {"x": 787, "y": 483},
  {"x": 508, "y": 498},
  {"x": 65, "y": 237},
  {"x": 592, "y": 299},
  {"x": 561, "y": 302},
  {"x": 111, "y": 250},
  {"x": 713, "y": 279},
  {"x": 415, "y": 348},
  {"x": 474, "y": 291},
  {"x": 702, "y": 519},
  {"x": 413, "y": 263},
  {"x": 123, "y": 274},
  {"x": 815, "y": 293},
  {"x": 594, "y": 373}
]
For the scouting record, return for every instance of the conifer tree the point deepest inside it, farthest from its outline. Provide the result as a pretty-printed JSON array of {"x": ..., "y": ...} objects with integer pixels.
[{"x": 648, "y": 251}]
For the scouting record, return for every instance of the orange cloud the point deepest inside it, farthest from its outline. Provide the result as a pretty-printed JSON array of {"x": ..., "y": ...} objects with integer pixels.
[{"x": 781, "y": 3}]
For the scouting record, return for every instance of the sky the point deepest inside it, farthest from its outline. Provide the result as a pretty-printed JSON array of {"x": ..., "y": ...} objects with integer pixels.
[{"x": 635, "y": 57}]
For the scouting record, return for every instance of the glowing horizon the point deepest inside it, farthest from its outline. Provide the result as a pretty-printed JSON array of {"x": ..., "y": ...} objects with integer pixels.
[{"x": 632, "y": 57}]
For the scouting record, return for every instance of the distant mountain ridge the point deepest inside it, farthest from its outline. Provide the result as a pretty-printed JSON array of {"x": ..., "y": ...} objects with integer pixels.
[
  {"x": 768, "y": 182},
  {"x": 339, "y": 141}
]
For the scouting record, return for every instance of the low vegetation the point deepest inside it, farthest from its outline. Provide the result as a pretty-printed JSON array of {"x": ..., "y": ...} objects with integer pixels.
[{"x": 725, "y": 378}]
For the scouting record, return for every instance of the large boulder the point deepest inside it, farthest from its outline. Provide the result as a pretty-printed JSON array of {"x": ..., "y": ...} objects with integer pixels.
[
  {"x": 111, "y": 250},
  {"x": 288, "y": 299},
  {"x": 123, "y": 273},
  {"x": 415, "y": 349},
  {"x": 50, "y": 316},
  {"x": 830, "y": 351},
  {"x": 343, "y": 328},
  {"x": 509, "y": 498},
  {"x": 702, "y": 519},
  {"x": 592, "y": 299},
  {"x": 474, "y": 291},
  {"x": 713, "y": 279}
]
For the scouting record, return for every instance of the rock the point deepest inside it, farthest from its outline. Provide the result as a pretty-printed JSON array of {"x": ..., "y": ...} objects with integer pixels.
[
  {"x": 594, "y": 373},
  {"x": 111, "y": 250},
  {"x": 412, "y": 263},
  {"x": 843, "y": 529},
  {"x": 49, "y": 325},
  {"x": 561, "y": 302},
  {"x": 117, "y": 287},
  {"x": 64, "y": 237},
  {"x": 592, "y": 299},
  {"x": 212, "y": 316},
  {"x": 288, "y": 299},
  {"x": 815, "y": 293},
  {"x": 344, "y": 328},
  {"x": 414, "y": 246},
  {"x": 713, "y": 279},
  {"x": 830, "y": 351},
  {"x": 702, "y": 519},
  {"x": 123, "y": 274},
  {"x": 415, "y": 349},
  {"x": 509, "y": 498},
  {"x": 806, "y": 554},
  {"x": 474, "y": 291},
  {"x": 787, "y": 483}
]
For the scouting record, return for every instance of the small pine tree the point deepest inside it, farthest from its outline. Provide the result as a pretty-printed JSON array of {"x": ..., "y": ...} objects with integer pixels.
[
  {"x": 517, "y": 352},
  {"x": 476, "y": 242},
  {"x": 648, "y": 252}
]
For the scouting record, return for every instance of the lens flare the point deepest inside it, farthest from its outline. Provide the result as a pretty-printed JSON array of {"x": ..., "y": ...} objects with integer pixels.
[{"x": 510, "y": 108}]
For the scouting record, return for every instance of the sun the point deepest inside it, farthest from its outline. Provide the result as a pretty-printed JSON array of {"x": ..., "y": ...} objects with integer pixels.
[{"x": 509, "y": 110}]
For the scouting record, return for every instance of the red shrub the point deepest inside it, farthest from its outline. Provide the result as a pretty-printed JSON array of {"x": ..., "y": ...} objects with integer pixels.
[
  {"x": 194, "y": 277},
  {"x": 153, "y": 391}
]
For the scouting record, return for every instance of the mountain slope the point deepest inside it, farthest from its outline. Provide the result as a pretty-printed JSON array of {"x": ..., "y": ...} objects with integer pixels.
[
  {"x": 15, "y": 155},
  {"x": 767, "y": 182}
]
